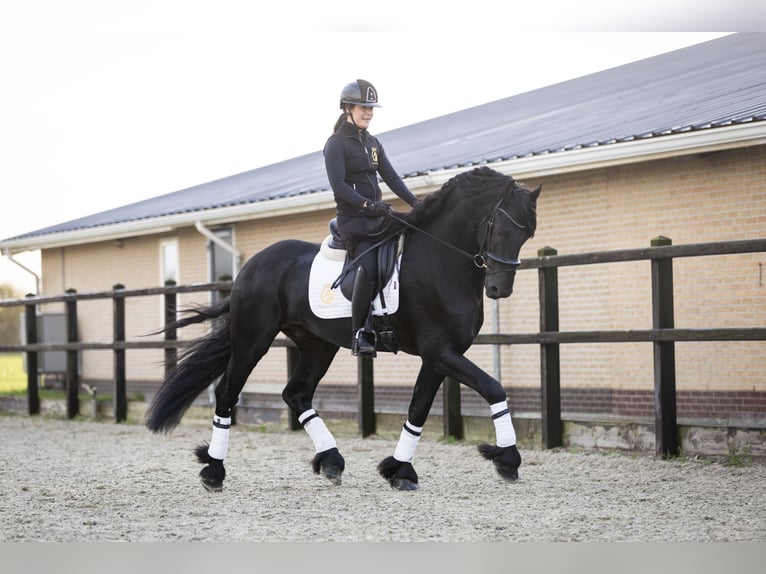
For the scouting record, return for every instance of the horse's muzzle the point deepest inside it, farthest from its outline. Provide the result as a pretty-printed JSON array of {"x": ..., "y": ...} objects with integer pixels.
[{"x": 499, "y": 289}]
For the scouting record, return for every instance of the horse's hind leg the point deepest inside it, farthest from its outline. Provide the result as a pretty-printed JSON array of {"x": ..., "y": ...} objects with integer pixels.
[
  {"x": 247, "y": 349},
  {"x": 316, "y": 355}
]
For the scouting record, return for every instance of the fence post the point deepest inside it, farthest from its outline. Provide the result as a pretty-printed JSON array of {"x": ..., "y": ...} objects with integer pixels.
[
  {"x": 120, "y": 390},
  {"x": 366, "y": 396},
  {"x": 72, "y": 356},
  {"x": 293, "y": 355},
  {"x": 453, "y": 420},
  {"x": 665, "y": 416},
  {"x": 550, "y": 370},
  {"x": 171, "y": 303},
  {"x": 33, "y": 391}
]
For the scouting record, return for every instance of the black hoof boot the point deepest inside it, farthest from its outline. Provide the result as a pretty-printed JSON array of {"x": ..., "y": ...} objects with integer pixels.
[
  {"x": 213, "y": 474},
  {"x": 331, "y": 464},
  {"x": 400, "y": 475},
  {"x": 506, "y": 459}
]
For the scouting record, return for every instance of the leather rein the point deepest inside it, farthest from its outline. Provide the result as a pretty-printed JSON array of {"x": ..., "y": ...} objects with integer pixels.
[{"x": 485, "y": 245}]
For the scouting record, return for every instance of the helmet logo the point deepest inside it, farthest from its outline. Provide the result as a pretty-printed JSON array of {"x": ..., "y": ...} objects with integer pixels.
[{"x": 371, "y": 95}]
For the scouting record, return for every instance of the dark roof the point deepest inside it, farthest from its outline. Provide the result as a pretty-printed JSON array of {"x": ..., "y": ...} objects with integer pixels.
[{"x": 717, "y": 83}]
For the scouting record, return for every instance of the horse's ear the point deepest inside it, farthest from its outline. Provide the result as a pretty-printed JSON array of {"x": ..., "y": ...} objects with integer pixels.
[{"x": 534, "y": 194}]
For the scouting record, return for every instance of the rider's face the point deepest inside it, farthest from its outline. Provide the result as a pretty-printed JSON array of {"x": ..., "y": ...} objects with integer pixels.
[{"x": 362, "y": 115}]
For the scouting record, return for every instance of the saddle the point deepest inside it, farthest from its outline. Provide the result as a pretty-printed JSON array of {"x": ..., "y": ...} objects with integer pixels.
[
  {"x": 388, "y": 253},
  {"x": 388, "y": 257}
]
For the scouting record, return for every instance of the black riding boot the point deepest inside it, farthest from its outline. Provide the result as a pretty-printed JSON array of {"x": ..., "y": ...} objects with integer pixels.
[{"x": 363, "y": 337}]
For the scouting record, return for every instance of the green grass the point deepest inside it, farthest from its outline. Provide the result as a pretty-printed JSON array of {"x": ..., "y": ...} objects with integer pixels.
[
  {"x": 13, "y": 382},
  {"x": 737, "y": 457},
  {"x": 13, "y": 378}
]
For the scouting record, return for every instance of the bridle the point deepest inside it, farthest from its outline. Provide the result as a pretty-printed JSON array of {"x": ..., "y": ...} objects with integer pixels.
[{"x": 485, "y": 244}]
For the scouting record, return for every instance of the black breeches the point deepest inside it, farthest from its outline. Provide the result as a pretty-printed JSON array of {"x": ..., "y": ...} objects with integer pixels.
[
  {"x": 368, "y": 261},
  {"x": 360, "y": 234}
]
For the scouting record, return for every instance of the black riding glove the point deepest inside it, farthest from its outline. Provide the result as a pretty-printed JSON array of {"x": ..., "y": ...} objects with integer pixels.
[{"x": 379, "y": 207}]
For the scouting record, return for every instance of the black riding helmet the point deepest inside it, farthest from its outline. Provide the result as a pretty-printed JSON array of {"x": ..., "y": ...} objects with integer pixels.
[{"x": 359, "y": 93}]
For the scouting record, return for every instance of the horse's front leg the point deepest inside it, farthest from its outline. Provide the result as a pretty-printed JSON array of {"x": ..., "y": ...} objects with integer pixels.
[
  {"x": 504, "y": 454},
  {"x": 398, "y": 469}
]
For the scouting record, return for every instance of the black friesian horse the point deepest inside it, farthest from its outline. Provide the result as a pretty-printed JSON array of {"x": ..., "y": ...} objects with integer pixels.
[{"x": 461, "y": 240}]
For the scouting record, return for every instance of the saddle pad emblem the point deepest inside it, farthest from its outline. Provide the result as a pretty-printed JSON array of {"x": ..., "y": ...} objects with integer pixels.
[
  {"x": 327, "y": 296},
  {"x": 329, "y": 303}
]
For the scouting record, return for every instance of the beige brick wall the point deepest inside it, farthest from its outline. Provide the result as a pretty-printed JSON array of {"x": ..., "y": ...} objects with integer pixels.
[{"x": 692, "y": 199}]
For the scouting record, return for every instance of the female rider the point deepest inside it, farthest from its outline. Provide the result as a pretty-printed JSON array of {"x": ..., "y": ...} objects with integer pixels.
[{"x": 353, "y": 160}]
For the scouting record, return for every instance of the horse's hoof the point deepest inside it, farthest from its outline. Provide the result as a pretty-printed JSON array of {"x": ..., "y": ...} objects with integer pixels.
[
  {"x": 404, "y": 484},
  {"x": 510, "y": 475},
  {"x": 400, "y": 475},
  {"x": 506, "y": 460},
  {"x": 331, "y": 464},
  {"x": 211, "y": 484},
  {"x": 213, "y": 474},
  {"x": 333, "y": 474}
]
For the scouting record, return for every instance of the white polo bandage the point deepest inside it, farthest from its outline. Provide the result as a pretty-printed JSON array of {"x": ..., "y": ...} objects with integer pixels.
[
  {"x": 504, "y": 432},
  {"x": 408, "y": 442},
  {"x": 318, "y": 432},
  {"x": 219, "y": 442}
]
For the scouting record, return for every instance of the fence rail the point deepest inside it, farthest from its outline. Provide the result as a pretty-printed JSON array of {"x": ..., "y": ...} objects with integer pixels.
[{"x": 663, "y": 336}]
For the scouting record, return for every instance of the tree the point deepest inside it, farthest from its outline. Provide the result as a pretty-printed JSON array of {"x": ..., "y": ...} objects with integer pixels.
[{"x": 10, "y": 317}]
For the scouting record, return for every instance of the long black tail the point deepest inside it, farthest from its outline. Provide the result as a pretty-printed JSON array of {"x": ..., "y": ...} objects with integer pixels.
[{"x": 198, "y": 366}]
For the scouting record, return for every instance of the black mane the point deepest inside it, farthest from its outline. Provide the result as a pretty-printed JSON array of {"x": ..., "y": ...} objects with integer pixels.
[{"x": 472, "y": 185}]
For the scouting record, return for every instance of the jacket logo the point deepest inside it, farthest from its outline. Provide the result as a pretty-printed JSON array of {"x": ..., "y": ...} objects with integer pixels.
[{"x": 374, "y": 155}]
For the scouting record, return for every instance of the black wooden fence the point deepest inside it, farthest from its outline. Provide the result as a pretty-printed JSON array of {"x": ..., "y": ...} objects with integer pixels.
[{"x": 663, "y": 335}]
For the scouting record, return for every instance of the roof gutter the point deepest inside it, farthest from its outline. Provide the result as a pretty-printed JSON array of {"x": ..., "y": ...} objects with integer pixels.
[
  {"x": 555, "y": 162},
  {"x": 559, "y": 162}
]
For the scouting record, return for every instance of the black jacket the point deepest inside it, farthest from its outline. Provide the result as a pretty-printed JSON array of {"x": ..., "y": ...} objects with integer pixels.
[{"x": 353, "y": 159}]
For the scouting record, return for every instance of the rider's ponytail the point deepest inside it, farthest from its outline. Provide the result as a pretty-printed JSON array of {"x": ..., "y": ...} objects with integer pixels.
[{"x": 339, "y": 122}]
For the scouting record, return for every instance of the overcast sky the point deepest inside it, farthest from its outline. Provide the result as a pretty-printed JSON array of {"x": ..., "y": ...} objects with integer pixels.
[{"x": 107, "y": 103}]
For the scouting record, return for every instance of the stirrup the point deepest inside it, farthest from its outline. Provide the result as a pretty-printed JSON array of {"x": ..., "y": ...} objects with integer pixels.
[{"x": 361, "y": 343}]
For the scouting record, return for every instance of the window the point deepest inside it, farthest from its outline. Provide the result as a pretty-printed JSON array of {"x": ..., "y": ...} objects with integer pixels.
[
  {"x": 222, "y": 265},
  {"x": 221, "y": 260},
  {"x": 169, "y": 270}
]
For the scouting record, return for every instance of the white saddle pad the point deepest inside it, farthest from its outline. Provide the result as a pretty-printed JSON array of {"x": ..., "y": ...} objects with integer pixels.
[{"x": 328, "y": 303}]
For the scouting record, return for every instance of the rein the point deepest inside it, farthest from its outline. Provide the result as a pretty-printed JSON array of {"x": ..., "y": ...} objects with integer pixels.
[
  {"x": 479, "y": 259},
  {"x": 440, "y": 240}
]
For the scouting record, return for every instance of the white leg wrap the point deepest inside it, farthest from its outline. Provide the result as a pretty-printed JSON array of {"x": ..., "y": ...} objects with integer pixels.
[
  {"x": 317, "y": 430},
  {"x": 219, "y": 443},
  {"x": 504, "y": 432},
  {"x": 408, "y": 442}
]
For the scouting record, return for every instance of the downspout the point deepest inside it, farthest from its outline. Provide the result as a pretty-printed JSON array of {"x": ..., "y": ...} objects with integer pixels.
[
  {"x": 8, "y": 254},
  {"x": 497, "y": 363},
  {"x": 218, "y": 241}
]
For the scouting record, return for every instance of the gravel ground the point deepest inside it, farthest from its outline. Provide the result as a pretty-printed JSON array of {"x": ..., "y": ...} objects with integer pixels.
[{"x": 99, "y": 481}]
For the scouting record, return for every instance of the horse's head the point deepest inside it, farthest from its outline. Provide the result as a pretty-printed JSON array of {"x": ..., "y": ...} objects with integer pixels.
[
  {"x": 504, "y": 231},
  {"x": 485, "y": 207}
]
